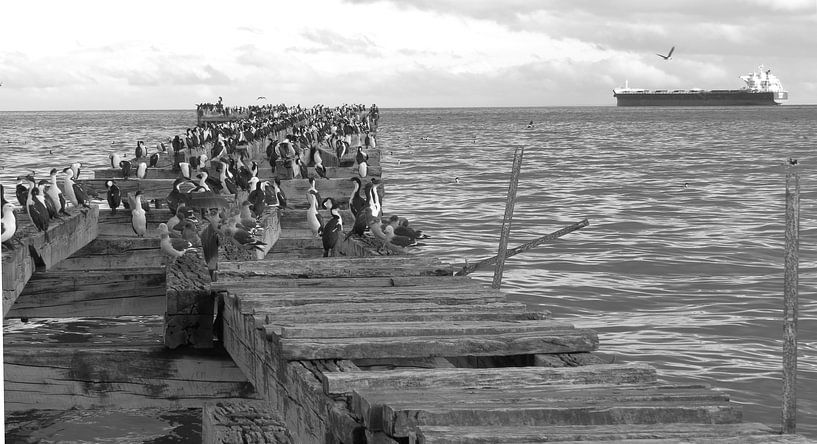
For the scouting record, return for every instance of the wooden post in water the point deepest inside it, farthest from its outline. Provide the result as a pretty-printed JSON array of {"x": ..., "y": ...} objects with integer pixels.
[
  {"x": 790, "y": 279},
  {"x": 506, "y": 222}
]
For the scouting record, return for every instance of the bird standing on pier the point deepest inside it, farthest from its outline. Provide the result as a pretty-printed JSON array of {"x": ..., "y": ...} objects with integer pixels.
[
  {"x": 241, "y": 235},
  {"x": 185, "y": 169},
  {"x": 313, "y": 217},
  {"x": 331, "y": 233},
  {"x": 75, "y": 168},
  {"x": 209, "y": 245},
  {"x": 154, "y": 160},
  {"x": 36, "y": 210},
  {"x": 75, "y": 192},
  {"x": 141, "y": 170},
  {"x": 356, "y": 202},
  {"x": 55, "y": 194},
  {"x": 373, "y": 199},
  {"x": 189, "y": 233},
  {"x": 21, "y": 191},
  {"x": 362, "y": 160},
  {"x": 138, "y": 217},
  {"x": 114, "y": 195},
  {"x": 45, "y": 200},
  {"x": 9, "y": 223},
  {"x": 141, "y": 150},
  {"x": 313, "y": 189},
  {"x": 279, "y": 193},
  {"x": 126, "y": 168},
  {"x": 115, "y": 159},
  {"x": 173, "y": 247},
  {"x": 318, "y": 160},
  {"x": 303, "y": 171},
  {"x": 176, "y": 198}
]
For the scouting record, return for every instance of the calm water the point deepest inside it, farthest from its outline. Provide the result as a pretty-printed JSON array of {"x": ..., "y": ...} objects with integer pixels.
[{"x": 686, "y": 279}]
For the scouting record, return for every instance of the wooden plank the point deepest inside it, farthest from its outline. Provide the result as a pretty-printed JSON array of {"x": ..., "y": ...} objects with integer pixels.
[
  {"x": 345, "y": 382},
  {"x": 479, "y": 313},
  {"x": 331, "y": 267},
  {"x": 439, "y": 297},
  {"x": 190, "y": 303},
  {"x": 34, "y": 249},
  {"x": 114, "y": 253},
  {"x": 18, "y": 267},
  {"x": 110, "y": 362},
  {"x": 260, "y": 305},
  {"x": 401, "y": 413},
  {"x": 125, "y": 292},
  {"x": 564, "y": 341},
  {"x": 238, "y": 282},
  {"x": 735, "y": 433},
  {"x": 392, "y": 329}
]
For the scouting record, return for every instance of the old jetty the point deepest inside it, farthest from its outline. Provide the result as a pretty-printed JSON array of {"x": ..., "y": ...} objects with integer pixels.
[{"x": 374, "y": 343}]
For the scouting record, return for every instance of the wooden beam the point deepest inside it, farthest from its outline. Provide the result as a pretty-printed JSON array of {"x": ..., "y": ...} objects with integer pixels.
[
  {"x": 396, "y": 329},
  {"x": 573, "y": 340},
  {"x": 190, "y": 303},
  {"x": 750, "y": 433},
  {"x": 123, "y": 292},
  {"x": 331, "y": 267},
  {"x": 43, "y": 250},
  {"x": 401, "y": 413},
  {"x": 111, "y": 362},
  {"x": 342, "y": 383}
]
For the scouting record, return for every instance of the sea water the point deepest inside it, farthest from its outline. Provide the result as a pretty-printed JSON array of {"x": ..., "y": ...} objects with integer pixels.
[{"x": 681, "y": 266}]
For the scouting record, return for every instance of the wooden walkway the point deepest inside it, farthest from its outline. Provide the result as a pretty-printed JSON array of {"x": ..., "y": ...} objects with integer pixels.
[{"x": 378, "y": 345}]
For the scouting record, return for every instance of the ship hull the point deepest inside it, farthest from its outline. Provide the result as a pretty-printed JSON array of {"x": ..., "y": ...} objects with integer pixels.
[{"x": 699, "y": 98}]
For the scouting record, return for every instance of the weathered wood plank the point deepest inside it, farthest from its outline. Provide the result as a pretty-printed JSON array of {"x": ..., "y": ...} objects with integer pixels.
[
  {"x": 239, "y": 282},
  {"x": 122, "y": 292},
  {"x": 111, "y": 362},
  {"x": 564, "y": 341},
  {"x": 400, "y": 413},
  {"x": 345, "y": 382},
  {"x": 190, "y": 303},
  {"x": 260, "y": 305},
  {"x": 244, "y": 422},
  {"x": 710, "y": 433},
  {"x": 440, "y": 297},
  {"x": 108, "y": 253},
  {"x": 18, "y": 267},
  {"x": 44, "y": 250},
  {"x": 392, "y": 329},
  {"x": 331, "y": 267}
]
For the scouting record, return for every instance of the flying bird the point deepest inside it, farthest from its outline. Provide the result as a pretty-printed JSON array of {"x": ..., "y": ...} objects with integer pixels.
[
  {"x": 668, "y": 56},
  {"x": 262, "y": 98}
]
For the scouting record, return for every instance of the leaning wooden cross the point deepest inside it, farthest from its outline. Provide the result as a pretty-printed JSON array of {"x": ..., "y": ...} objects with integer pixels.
[{"x": 470, "y": 268}]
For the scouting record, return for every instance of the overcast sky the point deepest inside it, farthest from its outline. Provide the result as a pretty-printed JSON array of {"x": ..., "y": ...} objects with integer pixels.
[{"x": 170, "y": 54}]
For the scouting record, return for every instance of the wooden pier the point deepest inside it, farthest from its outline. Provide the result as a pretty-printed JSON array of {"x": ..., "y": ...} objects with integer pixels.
[{"x": 374, "y": 345}]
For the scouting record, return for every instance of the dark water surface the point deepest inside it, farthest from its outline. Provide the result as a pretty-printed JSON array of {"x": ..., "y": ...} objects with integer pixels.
[{"x": 689, "y": 280}]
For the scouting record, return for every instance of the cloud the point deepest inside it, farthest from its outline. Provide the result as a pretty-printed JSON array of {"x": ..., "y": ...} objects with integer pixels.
[{"x": 324, "y": 40}]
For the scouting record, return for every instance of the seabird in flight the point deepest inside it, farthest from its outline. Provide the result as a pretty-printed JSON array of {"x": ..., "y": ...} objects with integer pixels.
[{"x": 668, "y": 56}]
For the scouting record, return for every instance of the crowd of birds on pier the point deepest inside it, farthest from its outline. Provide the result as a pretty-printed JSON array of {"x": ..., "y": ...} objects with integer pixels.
[
  {"x": 43, "y": 200},
  {"x": 227, "y": 170}
]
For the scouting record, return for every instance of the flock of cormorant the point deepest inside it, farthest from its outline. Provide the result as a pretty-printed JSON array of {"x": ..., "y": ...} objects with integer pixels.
[{"x": 225, "y": 171}]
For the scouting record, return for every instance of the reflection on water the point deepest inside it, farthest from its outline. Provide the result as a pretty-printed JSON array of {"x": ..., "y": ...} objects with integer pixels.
[{"x": 688, "y": 279}]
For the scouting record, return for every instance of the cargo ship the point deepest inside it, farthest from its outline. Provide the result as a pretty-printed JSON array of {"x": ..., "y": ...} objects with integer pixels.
[{"x": 762, "y": 89}]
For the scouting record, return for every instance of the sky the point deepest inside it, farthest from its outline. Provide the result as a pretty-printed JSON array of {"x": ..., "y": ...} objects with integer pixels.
[{"x": 147, "y": 54}]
